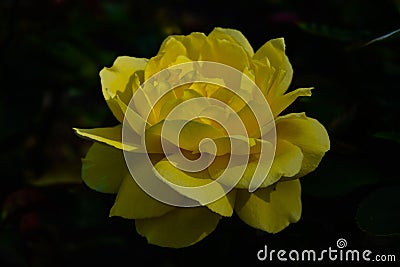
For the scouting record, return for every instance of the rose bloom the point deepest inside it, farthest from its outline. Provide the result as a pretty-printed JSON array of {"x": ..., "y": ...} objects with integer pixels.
[{"x": 301, "y": 142}]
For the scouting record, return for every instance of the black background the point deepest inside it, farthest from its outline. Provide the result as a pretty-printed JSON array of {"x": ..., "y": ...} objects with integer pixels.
[{"x": 50, "y": 56}]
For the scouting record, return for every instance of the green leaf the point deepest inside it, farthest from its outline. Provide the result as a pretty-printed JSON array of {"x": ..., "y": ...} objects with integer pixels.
[{"x": 379, "y": 212}]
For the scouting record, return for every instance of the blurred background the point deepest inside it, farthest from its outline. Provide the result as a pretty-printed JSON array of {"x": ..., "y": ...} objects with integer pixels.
[{"x": 51, "y": 53}]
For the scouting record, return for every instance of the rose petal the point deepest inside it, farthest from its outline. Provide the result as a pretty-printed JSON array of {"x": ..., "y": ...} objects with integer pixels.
[
  {"x": 281, "y": 103},
  {"x": 233, "y": 35},
  {"x": 287, "y": 163},
  {"x": 135, "y": 121},
  {"x": 274, "y": 51},
  {"x": 240, "y": 144},
  {"x": 181, "y": 227},
  {"x": 268, "y": 209},
  {"x": 188, "y": 138},
  {"x": 246, "y": 115},
  {"x": 170, "y": 49},
  {"x": 122, "y": 78},
  {"x": 306, "y": 133},
  {"x": 192, "y": 42},
  {"x": 171, "y": 100},
  {"x": 110, "y": 135},
  {"x": 263, "y": 74},
  {"x": 96, "y": 171},
  {"x": 223, "y": 205},
  {"x": 190, "y": 135},
  {"x": 133, "y": 203},
  {"x": 225, "y": 52}
]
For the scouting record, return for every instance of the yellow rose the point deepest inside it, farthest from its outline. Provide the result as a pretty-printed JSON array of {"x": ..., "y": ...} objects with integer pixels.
[{"x": 200, "y": 136}]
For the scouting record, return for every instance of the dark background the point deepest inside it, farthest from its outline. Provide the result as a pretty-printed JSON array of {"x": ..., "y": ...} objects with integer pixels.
[{"x": 50, "y": 55}]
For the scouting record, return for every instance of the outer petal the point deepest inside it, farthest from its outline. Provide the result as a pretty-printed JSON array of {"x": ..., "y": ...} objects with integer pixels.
[
  {"x": 306, "y": 133},
  {"x": 170, "y": 50},
  {"x": 223, "y": 205},
  {"x": 103, "y": 168},
  {"x": 233, "y": 35},
  {"x": 193, "y": 43},
  {"x": 274, "y": 51},
  {"x": 135, "y": 121},
  {"x": 268, "y": 209},
  {"x": 264, "y": 73},
  {"x": 133, "y": 203},
  {"x": 111, "y": 136},
  {"x": 287, "y": 163},
  {"x": 225, "y": 52},
  {"x": 123, "y": 78},
  {"x": 282, "y": 102},
  {"x": 179, "y": 228}
]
